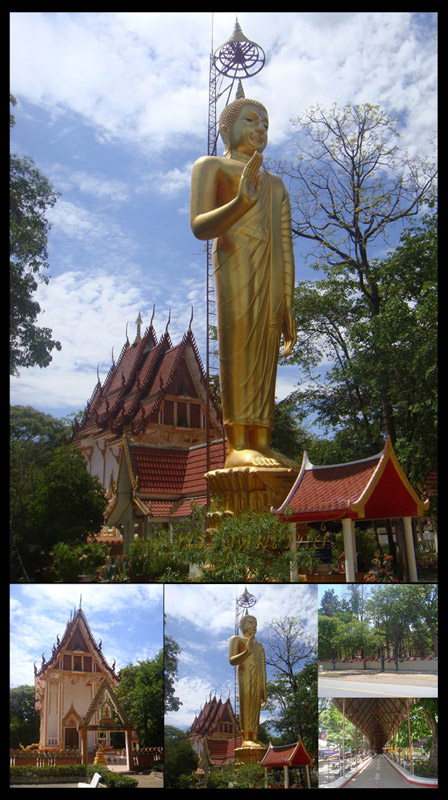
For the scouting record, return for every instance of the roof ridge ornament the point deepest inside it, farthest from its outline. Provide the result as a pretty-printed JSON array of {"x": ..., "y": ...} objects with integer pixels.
[{"x": 138, "y": 335}]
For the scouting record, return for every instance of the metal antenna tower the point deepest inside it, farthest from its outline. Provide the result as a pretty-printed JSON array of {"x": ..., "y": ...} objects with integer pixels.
[{"x": 236, "y": 59}]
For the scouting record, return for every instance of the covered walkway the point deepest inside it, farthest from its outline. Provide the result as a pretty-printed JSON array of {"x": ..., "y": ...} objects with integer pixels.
[
  {"x": 379, "y": 774},
  {"x": 378, "y": 720}
]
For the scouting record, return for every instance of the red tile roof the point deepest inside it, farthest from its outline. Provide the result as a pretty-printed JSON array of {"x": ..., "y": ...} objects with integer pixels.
[
  {"x": 372, "y": 488},
  {"x": 293, "y": 755},
  {"x": 222, "y": 751},
  {"x": 135, "y": 386}
]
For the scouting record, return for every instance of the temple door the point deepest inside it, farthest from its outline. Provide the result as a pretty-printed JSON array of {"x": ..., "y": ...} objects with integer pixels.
[{"x": 71, "y": 738}]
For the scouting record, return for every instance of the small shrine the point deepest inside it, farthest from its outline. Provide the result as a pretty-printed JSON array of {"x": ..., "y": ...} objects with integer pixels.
[
  {"x": 145, "y": 429},
  {"x": 215, "y": 734},
  {"x": 68, "y": 689},
  {"x": 105, "y": 715},
  {"x": 369, "y": 489},
  {"x": 286, "y": 757}
]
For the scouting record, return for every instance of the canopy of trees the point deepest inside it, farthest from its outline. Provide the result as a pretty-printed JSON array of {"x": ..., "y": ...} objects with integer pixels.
[
  {"x": 397, "y": 619},
  {"x": 367, "y": 331},
  {"x": 53, "y": 497}
]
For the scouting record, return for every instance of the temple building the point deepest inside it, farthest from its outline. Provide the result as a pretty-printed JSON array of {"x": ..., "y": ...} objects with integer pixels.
[
  {"x": 144, "y": 432},
  {"x": 74, "y": 694},
  {"x": 214, "y": 735}
]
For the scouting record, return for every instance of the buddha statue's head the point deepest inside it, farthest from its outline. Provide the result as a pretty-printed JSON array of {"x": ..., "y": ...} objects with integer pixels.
[
  {"x": 248, "y": 621},
  {"x": 238, "y": 132}
]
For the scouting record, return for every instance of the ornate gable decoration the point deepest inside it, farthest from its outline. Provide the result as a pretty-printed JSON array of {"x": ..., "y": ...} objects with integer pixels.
[
  {"x": 103, "y": 702},
  {"x": 77, "y": 638},
  {"x": 137, "y": 384}
]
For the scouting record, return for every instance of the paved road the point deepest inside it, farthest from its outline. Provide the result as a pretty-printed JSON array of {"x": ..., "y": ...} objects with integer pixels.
[
  {"x": 379, "y": 774},
  {"x": 345, "y": 683},
  {"x": 334, "y": 687}
]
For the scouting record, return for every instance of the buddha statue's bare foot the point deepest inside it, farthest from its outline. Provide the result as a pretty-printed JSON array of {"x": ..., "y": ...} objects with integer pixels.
[
  {"x": 252, "y": 458},
  {"x": 283, "y": 461},
  {"x": 251, "y": 743}
]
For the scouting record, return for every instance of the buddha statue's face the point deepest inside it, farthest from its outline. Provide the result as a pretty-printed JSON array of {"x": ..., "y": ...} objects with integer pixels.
[
  {"x": 250, "y": 131},
  {"x": 249, "y": 626}
]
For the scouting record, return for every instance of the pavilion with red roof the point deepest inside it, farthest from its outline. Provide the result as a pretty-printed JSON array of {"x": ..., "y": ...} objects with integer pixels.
[
  {"x": 286, "y": 756},
  {"x": 370, "y": 489}
]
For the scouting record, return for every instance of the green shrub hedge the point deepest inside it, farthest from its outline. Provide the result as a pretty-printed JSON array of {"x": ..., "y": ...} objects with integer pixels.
[{"x": 84, "y": 772}]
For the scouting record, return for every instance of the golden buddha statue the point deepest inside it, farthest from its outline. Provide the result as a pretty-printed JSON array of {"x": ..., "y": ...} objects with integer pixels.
[
  {"x": 246, "y": 210},
  {"x": 248, "y": 657}
]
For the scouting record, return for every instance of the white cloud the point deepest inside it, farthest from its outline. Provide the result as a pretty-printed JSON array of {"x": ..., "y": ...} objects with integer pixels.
[{"x": 143, "y": 77}]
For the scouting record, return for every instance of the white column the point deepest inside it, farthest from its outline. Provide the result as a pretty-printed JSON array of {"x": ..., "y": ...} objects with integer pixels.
[
  {"x": 347, "y": 531},
  {"x": 285, "y": 777},
  {"x": 308, "y": 779},
  {"x": 129, "y": 755},
  {"x": 410, "y": 552}
]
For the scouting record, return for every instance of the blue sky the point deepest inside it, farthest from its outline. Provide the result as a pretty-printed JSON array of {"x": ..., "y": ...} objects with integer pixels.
[
  {"x": 113, "y": 107},
  {"x": 201, "y": 619},
  {"x": 127, "y": 618}
]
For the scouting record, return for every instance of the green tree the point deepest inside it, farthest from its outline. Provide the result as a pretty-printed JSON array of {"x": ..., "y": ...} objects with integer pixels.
[
  {"x": 24, "y": 721},
  {"x": 172, "y": 650},
  {"x": 140, "y": 692},
  {"x": 31, "y": 194},
  {"x": 292, "y": 694},
  {"x": 329, "y": 604},
  {"x": 64, "y": 504},
  {"x": 179, "y": 758},
  {"x": 350, "y": 186}
]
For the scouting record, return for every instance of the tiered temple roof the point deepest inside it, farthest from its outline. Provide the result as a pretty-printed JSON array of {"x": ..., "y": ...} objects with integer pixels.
[
  {"x": 218, "y": 728},
  {"x": 165, "y": 482},
  {"x": 135, "y": 387},
  {"x": 77, "y": 637}
]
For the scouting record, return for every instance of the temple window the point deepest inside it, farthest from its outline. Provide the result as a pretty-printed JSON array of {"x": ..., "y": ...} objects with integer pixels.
[
  {"x": 195, "y": 416},
  {"x": 182, "y": 418},
  {"x": 168, "y": 412}
]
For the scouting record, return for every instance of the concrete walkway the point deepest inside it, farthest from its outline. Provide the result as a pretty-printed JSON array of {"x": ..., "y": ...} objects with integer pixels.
[{"x": 377, "y": 774}]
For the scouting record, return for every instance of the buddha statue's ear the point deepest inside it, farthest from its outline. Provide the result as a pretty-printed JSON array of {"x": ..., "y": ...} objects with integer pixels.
[{"x": 225, "y": 136}]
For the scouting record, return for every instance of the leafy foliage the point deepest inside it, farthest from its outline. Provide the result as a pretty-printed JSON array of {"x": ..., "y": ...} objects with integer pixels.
[
  {"x": 31, "y": 194},
  {"x": 53, "y": 497},
  {"x": 140, "y": 693}
]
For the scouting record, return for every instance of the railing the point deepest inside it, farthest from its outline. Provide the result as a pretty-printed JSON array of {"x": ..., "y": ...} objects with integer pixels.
[
  {"x": 43, "y": 758},
  {"x": 332, "y": 768},
  {"x": 147, "y": 756}
]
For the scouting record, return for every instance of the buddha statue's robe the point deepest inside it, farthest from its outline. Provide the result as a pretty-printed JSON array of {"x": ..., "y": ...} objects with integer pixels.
[
  {"x": 251, "y": 674},
  {"x": 253, "y": 266}
]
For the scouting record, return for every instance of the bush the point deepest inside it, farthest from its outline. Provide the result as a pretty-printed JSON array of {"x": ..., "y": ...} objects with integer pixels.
[
  {"x": 251, "y": 546},
  {"x": 78, "y": 772},
  {"x": 155, "y": 558},
  {"x": 68, "y": 561}
]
